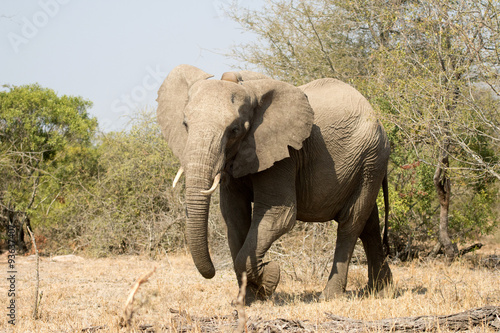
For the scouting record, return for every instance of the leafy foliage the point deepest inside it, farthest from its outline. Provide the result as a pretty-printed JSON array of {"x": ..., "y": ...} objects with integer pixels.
[
  {"x": 128, "y": 206},
  {"x": 44, "y": 139},
  {"x": 82, "y": 190}
]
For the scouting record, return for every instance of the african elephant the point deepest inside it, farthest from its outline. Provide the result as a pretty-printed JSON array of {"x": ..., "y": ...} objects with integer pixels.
[{"x": 313, "y": 153}]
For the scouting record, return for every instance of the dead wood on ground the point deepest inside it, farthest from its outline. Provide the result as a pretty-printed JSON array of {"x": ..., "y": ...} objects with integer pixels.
[{"x": 483, "y": 318}]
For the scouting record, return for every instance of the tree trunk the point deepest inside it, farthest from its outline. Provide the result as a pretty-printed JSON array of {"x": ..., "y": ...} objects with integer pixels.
[{"x": 443, "y": 189}]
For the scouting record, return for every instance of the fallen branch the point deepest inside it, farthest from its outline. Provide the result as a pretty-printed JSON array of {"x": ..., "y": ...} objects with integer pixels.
[
  {"x": 94, "y": 329},
  {"x": 128, "y": 310},
  {"x": 492, "y": 261},
  {"x": 484, "y": 317},
  {"x": 438, "y": 249},
  {"x": 488, "y": 316},
  {"x": 471, "y": 248}
]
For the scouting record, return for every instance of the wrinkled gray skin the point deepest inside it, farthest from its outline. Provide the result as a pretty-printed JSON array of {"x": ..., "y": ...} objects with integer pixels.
[{"x": 314, "y": 153}]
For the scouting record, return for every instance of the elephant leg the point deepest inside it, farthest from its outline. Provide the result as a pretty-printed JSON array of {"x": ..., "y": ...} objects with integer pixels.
[
  {"x": 351, "y": 222},
  {"x": 236, "y": 208},
  {"x": 274, "y": 214},
  {"x": 269, "y": 223},
  {"x": 344, "y": 247},
  {"x": 379, "y": 273}
]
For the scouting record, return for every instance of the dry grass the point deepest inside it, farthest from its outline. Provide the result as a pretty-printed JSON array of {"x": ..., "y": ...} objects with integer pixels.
[{"x": 82, "y": 293}]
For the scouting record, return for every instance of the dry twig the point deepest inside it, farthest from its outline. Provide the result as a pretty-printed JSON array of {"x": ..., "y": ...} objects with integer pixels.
[
  {"x": 240, "y": 305},
  {"x": 128, "y": 310}
]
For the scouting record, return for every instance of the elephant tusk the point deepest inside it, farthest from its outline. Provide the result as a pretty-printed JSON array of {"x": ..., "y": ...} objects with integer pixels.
[
  {"x": 214, "y": 186},
  {"x": 178, "y": 176}
]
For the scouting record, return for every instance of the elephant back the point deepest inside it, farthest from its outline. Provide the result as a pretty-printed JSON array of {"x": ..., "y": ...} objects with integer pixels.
[{"x": 347, "y": 122}]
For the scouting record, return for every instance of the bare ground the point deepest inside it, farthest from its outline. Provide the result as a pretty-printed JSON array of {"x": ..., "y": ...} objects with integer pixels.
[{"x": 88, "y": 295}]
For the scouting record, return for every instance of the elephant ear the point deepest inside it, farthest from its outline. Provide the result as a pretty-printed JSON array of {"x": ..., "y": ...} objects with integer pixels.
[
  {"x": 172, "y": 99},
  {"x": 282, "y": 118}
]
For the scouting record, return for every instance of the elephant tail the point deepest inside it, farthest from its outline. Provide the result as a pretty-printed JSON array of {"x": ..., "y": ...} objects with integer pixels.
[{"x": 385, "y": 239}]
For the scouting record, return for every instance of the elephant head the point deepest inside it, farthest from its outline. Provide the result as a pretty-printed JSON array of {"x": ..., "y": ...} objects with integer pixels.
[{"x": 239, "y": 125}]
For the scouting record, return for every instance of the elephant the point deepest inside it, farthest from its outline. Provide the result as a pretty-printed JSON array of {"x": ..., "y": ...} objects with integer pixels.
[{"x": 280, "y": 153}]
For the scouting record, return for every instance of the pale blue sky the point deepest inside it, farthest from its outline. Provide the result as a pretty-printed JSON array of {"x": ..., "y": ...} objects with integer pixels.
[{"x": 113, "y": 52}]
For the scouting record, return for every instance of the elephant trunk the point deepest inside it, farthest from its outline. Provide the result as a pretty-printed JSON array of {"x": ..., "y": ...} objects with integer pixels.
[
  {"x": 201, "y": 170},
  {"x": 197, "y": 206}
]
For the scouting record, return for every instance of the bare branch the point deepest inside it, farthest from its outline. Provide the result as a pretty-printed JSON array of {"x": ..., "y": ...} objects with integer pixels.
[
  {"x": 128, "y": 310},
  {"x": 38, "y": 295},
  {"x": 240, "y": 305}
]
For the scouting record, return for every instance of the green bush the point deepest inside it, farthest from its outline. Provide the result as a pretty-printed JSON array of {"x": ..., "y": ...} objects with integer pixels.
[{"x": 128, "y": 204}]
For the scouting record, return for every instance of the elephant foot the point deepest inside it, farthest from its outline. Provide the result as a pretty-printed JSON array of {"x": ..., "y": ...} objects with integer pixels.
[
  {"x": 331, "y": 292},
  {"x": 269, "y": 282},
  {"x": 380, "y": 282},
  {"x": 384, "y": 291}
]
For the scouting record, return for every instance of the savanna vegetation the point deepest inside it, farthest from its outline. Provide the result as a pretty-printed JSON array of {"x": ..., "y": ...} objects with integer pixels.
[
  {"x": 82, "y": 190},
  {"x": 88, "y": 295},
  {"x": 429, "y": 68}
]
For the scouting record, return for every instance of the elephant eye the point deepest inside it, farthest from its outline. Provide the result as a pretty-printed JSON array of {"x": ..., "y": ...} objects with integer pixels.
[
  {"x": 185, "y": 124},
  {"x": 235, "y": 130}
]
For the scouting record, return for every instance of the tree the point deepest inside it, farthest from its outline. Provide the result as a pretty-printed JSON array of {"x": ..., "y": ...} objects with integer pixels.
[
  {"x": 43, "y": 138},
  {"x": 430, "y": 67},
  {"x": 128, "y": 205}
]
